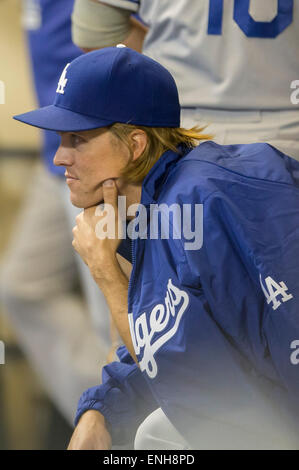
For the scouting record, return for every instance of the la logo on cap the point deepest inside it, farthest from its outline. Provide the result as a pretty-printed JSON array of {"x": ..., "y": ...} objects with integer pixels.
[{"x": 62, "y": 81}]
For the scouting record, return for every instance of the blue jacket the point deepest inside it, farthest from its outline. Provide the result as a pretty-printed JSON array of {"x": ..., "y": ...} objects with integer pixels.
[{"x": 216, "y": 328}]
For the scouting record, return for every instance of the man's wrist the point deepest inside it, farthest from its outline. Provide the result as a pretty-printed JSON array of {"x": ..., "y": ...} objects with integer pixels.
[
  {"x": 106, "y": 271},
  {"x": 93, "y": 416}
]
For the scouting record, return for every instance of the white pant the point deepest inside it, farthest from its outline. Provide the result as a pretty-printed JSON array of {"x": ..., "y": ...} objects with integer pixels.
[
  {"x": 278, "y": 128},
  {"x": 39, "y": 293},
  {"x": 157, "y": 433}
]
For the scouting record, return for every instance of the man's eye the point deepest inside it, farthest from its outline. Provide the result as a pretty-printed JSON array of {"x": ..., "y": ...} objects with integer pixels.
[{"x": 76, "y": 140}]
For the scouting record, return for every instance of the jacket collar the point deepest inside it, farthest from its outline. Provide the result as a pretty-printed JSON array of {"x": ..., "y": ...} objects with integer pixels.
[{"x": 154, "y": 180}]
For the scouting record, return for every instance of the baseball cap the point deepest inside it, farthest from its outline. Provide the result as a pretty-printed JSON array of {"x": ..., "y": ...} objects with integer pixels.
[{"x": 114, "y": 84}]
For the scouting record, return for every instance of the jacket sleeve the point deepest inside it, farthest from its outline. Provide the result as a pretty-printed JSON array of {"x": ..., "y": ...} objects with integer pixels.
[
  {"x": 281, "y": 324},
  {"x": 248, "y": 268},
  {"x": 123, "y": 398}
]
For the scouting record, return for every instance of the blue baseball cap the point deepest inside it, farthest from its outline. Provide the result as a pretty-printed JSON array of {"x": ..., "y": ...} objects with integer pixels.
[{"x": 114, "y": 84}]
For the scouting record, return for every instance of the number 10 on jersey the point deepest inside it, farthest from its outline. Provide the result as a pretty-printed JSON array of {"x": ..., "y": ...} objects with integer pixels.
[{"x": 250, "y": 27}]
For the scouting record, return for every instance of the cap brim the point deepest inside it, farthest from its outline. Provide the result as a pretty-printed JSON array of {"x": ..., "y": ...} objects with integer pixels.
[{"x": 54, "y": 118}]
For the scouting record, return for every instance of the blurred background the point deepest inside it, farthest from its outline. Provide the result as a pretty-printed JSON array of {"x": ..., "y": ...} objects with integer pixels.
[{"x": 28, "y": 418}]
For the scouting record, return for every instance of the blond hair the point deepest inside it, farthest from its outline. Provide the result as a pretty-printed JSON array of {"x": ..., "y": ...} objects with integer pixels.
[{"x": 159, "y": 140}]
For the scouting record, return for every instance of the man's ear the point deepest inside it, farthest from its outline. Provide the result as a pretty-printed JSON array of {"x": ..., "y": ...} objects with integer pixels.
[{"x": 138, "y": 142}]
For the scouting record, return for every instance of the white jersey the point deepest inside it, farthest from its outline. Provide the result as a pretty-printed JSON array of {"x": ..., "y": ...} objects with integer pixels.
[{"x": 225, "y": 54}]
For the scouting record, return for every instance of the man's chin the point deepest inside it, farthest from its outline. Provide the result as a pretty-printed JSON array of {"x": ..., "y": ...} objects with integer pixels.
[
  {"x": 81, "y": 204},
  {"x": 94, "y": 204},
  {"x": 77, "y": 202}
]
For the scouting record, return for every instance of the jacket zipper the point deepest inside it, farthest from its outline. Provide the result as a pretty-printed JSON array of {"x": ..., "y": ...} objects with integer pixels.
[{"x": 130, "y": 295}]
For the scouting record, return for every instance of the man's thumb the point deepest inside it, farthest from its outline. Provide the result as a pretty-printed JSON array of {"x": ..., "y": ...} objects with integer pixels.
[{"x": 110, "y": 192}]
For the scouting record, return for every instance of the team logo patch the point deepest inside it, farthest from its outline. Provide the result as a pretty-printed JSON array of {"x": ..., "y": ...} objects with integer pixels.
[
  {"x": 273, "y": 290},
  {"x": 62, "y": 81},
  {"x": 165, "y": 318}
]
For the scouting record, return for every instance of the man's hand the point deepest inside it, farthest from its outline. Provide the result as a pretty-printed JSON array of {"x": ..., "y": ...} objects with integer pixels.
[
  {"x": 91, "y": 433},
  {"x": 99, "y": 253},
  {"x": 100, "y": 256}
]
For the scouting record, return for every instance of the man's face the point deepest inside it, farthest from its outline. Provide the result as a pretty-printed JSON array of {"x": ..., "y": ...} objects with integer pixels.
[{"x": 90, "y": 158}]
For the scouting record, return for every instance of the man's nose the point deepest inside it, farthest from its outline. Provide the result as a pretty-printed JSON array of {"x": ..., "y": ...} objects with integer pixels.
[{"x": 63, "y": 156}]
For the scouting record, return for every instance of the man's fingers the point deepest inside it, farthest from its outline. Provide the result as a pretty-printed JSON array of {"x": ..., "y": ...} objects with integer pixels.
[{"x": 79, "y": 217}]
